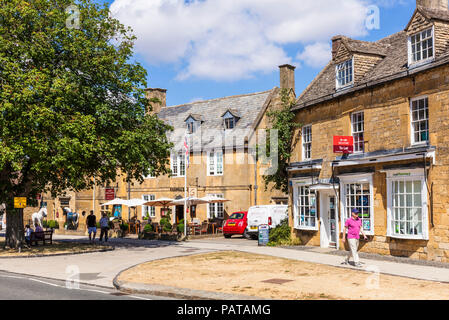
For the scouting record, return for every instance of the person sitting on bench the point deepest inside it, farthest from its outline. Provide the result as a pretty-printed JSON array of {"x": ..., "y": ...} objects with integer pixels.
[{"x": 28, "y": 232}]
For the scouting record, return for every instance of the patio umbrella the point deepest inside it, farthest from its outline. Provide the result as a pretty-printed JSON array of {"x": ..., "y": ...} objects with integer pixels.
[
  {"x": 191, "y": 201},
  {"x": 135, "y": 203},
  {"x": 116, "y": 201},
  {"x": 213, "y": 199},
  {"x": 162, "y": 202}
]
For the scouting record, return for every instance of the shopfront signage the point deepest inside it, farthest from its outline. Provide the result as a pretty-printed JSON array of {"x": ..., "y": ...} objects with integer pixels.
[
  {"x": 343, "y": 144},
  {"x": 109, "y": 194}
]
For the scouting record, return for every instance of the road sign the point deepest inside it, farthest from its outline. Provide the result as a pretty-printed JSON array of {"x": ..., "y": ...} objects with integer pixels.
[
  {"x": 343, "y": 144},
  {"x": 20, "y": 203},
  {"x": 264, "y": 235}
]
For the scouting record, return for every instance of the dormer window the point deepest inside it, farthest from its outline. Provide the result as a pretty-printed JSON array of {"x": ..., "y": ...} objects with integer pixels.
[
  {"x": 192, "y": 124},
  {"x": 421, "y": 47},
  {"x": 229, "y": 120},
  {"x": 345, "y": 73}
]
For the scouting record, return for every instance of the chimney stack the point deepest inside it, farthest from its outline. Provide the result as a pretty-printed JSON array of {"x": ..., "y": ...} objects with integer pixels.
[
  {"x": 336, "y": 42},
  {"x": 287, "y": 73},
  {"x": 433, "y": 4},
  {"x": 161, "y": 95}
]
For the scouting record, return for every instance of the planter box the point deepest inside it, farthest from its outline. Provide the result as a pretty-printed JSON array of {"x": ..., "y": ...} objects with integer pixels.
[
  {"x": 169, "y": 236},
  {"x": 149, "y": 236}
]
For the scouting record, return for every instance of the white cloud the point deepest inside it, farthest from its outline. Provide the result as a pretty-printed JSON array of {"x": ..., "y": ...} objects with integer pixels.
[
  {"x": 236, "y": 39},
  {"x": 316, "y": 55}
]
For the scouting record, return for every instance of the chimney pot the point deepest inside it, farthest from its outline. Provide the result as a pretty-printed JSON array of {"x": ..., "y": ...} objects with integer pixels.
[
  {"x": 433, "y": 4},
  {"x": 157, "y": 93},
  {"x": 287, "y": 74}
]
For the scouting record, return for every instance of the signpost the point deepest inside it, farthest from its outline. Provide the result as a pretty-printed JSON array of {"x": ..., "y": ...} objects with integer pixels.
[
  {"x": 344, "y": 145},
  {"x": 264, "y": 235},
  {"x": 109, "y": 194},
  {"x": 20, "y": 202}
]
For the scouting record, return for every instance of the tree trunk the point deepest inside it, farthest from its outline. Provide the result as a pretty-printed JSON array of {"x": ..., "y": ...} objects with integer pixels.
[{"x": 15, "y": 235}]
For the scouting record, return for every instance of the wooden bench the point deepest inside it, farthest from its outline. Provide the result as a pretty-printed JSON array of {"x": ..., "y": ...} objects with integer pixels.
[{"x": 41, "y": 236}]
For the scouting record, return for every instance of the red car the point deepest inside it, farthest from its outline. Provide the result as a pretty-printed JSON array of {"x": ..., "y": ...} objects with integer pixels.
[{"x": 236, "y": 224}]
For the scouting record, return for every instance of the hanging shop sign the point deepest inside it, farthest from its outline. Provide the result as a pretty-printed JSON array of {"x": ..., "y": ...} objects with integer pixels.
[
  {"x": 343, "y": 144},
  {"x": 109, "y": 194}
]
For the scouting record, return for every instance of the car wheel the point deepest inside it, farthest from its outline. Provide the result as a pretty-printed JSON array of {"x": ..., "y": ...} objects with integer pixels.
[
  {"x": 227, "y": 236},
  {"x": 254, "y": 236}
]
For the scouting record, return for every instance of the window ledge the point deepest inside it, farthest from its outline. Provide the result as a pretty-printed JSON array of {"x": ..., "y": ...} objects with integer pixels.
[
  {"x": 420, "y": 63},
  {"x": 307, "y": 228},
  {"x": 408, "y": 237}
]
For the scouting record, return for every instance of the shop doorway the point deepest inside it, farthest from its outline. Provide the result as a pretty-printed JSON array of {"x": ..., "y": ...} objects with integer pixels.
[
  {"x": 179, "y": 213},
  {"x": 329, "y": 220}
]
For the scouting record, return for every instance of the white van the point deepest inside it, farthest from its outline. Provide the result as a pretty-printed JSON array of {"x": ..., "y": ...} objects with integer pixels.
[{"x": 271, "y": 215}]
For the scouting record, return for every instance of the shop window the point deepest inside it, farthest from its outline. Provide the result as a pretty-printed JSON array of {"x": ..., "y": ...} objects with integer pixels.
[
  {"x": 407, "y": 205},
  {"x": 357, "y": 193},
  {"x": 306, "y": 209}
]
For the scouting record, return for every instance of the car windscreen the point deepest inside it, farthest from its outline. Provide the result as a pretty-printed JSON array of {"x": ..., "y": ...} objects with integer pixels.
[{"x": 237, "y": 216}]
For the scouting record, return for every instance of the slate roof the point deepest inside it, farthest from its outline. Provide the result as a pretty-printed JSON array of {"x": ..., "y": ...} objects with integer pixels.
[
  {"x": 211, "y": 134},
  {"x": 393, "y": 65}
]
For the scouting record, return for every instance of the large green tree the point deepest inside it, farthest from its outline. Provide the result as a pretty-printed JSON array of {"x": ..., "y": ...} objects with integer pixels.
[{"x": 72, "y": 103}]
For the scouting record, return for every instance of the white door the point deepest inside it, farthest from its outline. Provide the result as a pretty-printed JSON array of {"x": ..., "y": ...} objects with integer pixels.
[{"x": 328, "y": 219}]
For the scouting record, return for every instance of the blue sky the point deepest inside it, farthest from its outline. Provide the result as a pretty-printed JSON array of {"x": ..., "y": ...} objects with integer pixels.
[{"x": 205, "y": 49}]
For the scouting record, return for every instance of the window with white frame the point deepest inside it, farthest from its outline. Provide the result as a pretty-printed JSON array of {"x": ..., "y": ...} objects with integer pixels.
[
  {"x": 421, "y": 46},
  {"x": 215, "y": 163},
  {"x": 215, "y": 210},
  {"x": 192, "y": 125},
  {"x": 407, "y": 205},
  {"x": 357, "y": 193},
  {"x": 306, "y": 209},
  {"x": 345, "y": 73},
  {"x": 307, "y": 143},
  {"x": 358, "y": 131},
  {"x": 178, "y": 165},
  {"x": 420, "y": 120},
  {"x": 147, "y": 210}
]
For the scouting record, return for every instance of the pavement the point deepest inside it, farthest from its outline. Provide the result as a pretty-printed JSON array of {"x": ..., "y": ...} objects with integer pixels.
[{"x": 100, "y": 269}]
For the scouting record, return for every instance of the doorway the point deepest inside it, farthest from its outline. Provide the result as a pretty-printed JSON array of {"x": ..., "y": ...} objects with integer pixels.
[
  {"x": 328, "y": 213},
  {"x": 179, "y": 213}
]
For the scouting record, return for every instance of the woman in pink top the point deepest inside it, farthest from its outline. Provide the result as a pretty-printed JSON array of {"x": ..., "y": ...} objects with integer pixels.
[{"x": 353, "y": 226}]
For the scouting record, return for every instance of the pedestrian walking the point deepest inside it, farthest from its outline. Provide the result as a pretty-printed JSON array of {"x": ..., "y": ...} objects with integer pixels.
[
  {"x": 91, "y": 226},
  {"x": 353, "y": 227},
  {"x": 104, "y": 225}
]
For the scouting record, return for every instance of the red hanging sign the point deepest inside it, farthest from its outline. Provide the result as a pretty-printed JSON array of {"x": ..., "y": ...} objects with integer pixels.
[
  {"x": 343, "y": 144},
  {"x": 109, "y": 194}
]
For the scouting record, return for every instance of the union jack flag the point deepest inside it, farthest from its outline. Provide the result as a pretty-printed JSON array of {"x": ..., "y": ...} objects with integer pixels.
[{"x": 186, "y": 146}]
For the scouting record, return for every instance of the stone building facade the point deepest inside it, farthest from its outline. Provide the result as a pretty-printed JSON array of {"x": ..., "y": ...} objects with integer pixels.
[{"x": 395, "y": 105}]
